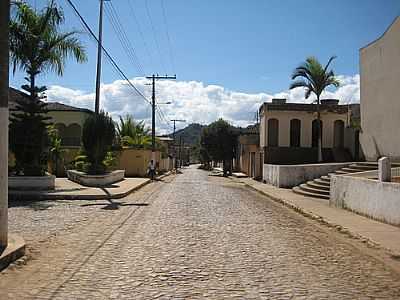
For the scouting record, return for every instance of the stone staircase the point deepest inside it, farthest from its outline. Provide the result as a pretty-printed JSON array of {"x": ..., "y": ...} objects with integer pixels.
[{"x": 319, "y": 188}]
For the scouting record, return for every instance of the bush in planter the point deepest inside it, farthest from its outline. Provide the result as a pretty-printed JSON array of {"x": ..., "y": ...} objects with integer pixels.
[{"x": 98, "y": 135}]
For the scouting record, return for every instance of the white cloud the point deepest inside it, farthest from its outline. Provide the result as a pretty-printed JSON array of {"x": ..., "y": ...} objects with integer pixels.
[{"x": 191, "y": 100}]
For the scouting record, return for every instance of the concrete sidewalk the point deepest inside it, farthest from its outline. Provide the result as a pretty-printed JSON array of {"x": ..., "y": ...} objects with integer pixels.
[
  {"x": 367, "y": 230},
  {"x": 68, "y": 190}
]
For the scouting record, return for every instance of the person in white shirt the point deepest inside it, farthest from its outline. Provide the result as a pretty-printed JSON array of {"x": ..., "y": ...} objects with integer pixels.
[{"x": 151, "y": 170}]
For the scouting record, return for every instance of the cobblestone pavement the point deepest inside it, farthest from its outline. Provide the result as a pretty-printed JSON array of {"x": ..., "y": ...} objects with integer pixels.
[{"x": 197, "y": 237}]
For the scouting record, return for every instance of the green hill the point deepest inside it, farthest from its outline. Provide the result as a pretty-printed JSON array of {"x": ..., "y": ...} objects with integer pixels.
[{"x": 190, "y": 134}]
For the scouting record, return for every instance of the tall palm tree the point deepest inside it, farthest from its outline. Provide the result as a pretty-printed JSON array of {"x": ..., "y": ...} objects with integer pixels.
[
  {"x": 315, "y": 78},
  {"x": 37, "y": 45}
]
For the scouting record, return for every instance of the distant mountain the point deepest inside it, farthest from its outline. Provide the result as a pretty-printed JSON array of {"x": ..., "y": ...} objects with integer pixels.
[{"x": 190, "y": 134}]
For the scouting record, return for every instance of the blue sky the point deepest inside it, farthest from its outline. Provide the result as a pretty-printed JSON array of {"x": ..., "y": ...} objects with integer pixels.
[{"x": 248, "y": 47}]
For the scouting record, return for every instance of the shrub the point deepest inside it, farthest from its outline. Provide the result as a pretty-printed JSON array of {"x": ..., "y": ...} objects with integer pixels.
[{"x": 98, "y": 135}]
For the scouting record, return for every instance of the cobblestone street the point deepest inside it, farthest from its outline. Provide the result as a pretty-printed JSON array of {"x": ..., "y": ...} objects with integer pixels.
[{"x": 190, "y": 236}]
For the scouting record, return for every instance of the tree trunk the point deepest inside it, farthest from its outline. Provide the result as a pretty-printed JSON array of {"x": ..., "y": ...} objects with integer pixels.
[
  {"x": 319, "y": 131},
  {"x": 4, "y": 66},
  {"x": 224, "y": 168}
]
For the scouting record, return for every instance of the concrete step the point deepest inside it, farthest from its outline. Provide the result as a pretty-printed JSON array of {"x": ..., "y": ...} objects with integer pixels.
[
  {"x": 326, "y": 179},
  {"x": 367, "y": 163},
  {"x": 322, "y": 182},
  {"x": 340, "y": 172},
  {"x": 310, "y": 189},
  {"x": 299, "y": 191},
  {"x": 314, "y": 184},
  {"x": 352, "y": 170},
  {"x": 363, "y": 167}
]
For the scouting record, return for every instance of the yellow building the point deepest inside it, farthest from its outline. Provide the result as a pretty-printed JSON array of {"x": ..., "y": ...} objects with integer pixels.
[
  {"x": 67, "y": 119},
  {"x": 288, "y": 132}
]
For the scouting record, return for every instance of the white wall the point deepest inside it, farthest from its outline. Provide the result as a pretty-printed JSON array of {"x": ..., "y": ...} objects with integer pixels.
[
  {"x": 380, "y": 101},
  {"x": 288, "y": 176},
  {"x": 378, "y": 200}
]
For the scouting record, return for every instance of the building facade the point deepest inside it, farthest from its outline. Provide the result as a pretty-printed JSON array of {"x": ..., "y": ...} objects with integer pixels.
[
  {"x": 249, "y": 159},
  {"x": 380, "y": 103},
  {"x": 67, "y": 119},
  {"x": 289, "y": 132}
]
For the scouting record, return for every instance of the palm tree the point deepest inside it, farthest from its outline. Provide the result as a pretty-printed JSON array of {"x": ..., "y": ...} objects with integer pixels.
[
  {"x": 36, "y": 46},
  {"x": 315, "y": 78},
  {"x": 133, "y": 133}
]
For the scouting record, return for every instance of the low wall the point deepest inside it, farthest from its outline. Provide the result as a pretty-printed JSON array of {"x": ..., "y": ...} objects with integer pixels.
[
  {"x": 135, "y": 161},
  {"x": 31, "y": 182},
  {"x": 288, "y": 176},
  {"x": 96, "y": 180},
  {"x": 377, "y": 200}
]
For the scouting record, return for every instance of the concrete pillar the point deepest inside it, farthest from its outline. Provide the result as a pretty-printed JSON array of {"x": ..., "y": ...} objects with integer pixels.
[
  {"x": 4, "y": 66},
  {"x": 384, "y": 170}
]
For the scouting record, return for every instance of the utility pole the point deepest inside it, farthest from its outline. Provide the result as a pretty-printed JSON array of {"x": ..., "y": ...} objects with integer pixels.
[
  {"x": 99, "y": 52},
  {"x": 153, "y": 111},
  {"x": 175, "y": 120},
  {"x": 4, "y": 81},
  {"x": 180, "y": 151}
]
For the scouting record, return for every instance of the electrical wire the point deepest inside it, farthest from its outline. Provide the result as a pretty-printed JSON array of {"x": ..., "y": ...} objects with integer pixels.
[
  {"x": 154, "y": 35},
  {"x": 138, "y": 27},
  {"x": 122, "y": 36},
  {"x": 168, "y": 37},
  {"x": 108, "y": 56}
]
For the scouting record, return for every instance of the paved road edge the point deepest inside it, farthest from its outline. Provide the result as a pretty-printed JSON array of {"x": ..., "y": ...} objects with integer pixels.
[{"x": 343, "y": 230}]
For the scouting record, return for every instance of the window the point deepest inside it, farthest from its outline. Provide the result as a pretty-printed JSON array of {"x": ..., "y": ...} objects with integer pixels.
[
  {"x": 315, "y": 132},
  {"x": 295, "y": 131},
  {"x": 273, "y": 133},
  {"x": 338, "y": 134}
]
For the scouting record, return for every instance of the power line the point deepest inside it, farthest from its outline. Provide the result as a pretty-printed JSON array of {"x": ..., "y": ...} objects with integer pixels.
[
  {"x": 140, "y": 31},
  {"x": 113, "y": 63},
  {"x": 168, "y": 37},
  {"x": 154, "y": 35},
  {"x": 122, "y": 36}
]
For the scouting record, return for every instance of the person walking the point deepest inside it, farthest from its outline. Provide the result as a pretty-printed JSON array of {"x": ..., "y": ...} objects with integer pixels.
[{"x": 151, "y": 169}]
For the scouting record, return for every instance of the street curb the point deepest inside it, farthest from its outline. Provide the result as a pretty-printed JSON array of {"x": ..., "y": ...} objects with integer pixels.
[
  {"x": 341, "y": 229},
  {"x": 40, "y": 196},
  {"x": 14, "y": 251},
  {"x": 37, "y": 196}
]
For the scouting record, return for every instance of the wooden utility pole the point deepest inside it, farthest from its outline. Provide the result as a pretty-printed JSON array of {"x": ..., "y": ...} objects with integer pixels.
[
  {"x": 153, "y": 111},
  {"x": 99, "y": 52},
  {"x": 180, "y": 152},
  {"x": 4, "y": 81},
  {"x": 175, "y": 120}
]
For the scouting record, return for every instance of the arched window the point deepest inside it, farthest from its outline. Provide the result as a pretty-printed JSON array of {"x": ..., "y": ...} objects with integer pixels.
[
  {"x": 273, "y": 133},
  {"x": 315, "y": 132},
  {"x": 61, "y": 128},
  {"x": 338, "y": 134},
  {"x": 295, "y": 131},
  {"x": 73, "y": 134}
]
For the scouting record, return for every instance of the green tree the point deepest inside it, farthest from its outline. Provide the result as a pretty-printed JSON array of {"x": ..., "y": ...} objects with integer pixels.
[
  {"x": 37, "y": 46},
  {"x": 55, "y": 148},
  {"x": 315, "y": 78},
  {"x": 98, "y": 135},
  {"x": 133, "y": 133},
  {"x": 218, "y": 142}
]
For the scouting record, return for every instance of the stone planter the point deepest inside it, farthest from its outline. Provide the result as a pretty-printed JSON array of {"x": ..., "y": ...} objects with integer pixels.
[
  {"x": 46, "y": 182},
  {"x": 96, "y": 180}
]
